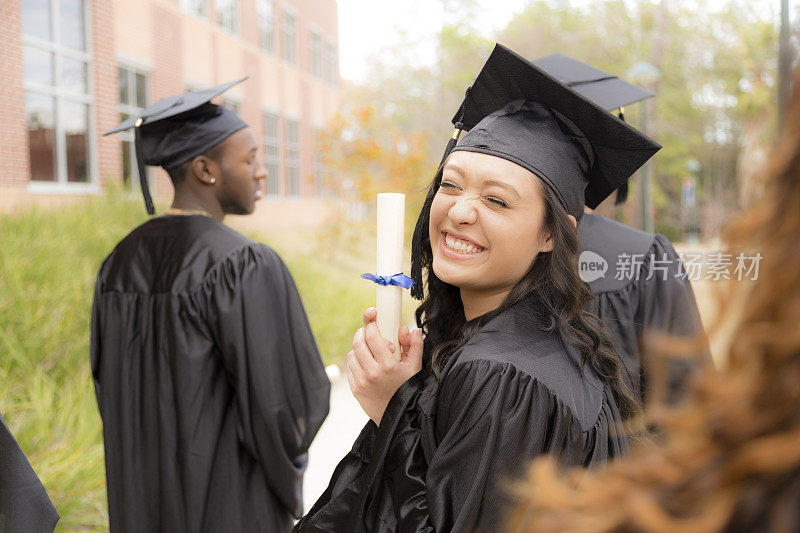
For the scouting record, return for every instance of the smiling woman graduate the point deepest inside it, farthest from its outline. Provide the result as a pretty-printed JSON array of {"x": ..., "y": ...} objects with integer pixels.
[
  {"x": 207, "y": 375},
  {"x": 513, "y": 366}
]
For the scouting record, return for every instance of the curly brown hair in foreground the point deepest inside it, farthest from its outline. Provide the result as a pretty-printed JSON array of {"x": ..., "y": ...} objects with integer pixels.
[{"x": 730, "y": 460}]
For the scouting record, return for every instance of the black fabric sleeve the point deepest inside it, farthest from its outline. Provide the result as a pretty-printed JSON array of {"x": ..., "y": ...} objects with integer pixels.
[
  {"x": 667, "y": 305},
  {"x": 282, "y": 391},
  {"x": 492, "y": 421},
  {"x": 24, "y": 504}
]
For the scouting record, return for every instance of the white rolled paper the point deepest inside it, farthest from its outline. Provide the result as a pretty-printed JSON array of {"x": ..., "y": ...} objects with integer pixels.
[{"x": 389, "y": 299}]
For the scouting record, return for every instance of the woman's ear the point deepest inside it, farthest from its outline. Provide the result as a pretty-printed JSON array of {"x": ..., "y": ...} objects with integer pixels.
[
  {"x": 574, "y": 222},
  {"x": 547, "y": 245}
]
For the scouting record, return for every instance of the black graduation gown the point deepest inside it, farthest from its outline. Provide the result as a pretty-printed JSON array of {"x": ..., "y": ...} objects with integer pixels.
[
  {"x": 654, "y": 295},
  {"x": 208, "y": 380},
  {"x": 24, "y": 504},
  {"x": 445, "y": 453}
]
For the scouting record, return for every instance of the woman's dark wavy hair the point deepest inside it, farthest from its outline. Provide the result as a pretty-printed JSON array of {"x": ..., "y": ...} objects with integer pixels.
[{"x": 552, "y": 281}]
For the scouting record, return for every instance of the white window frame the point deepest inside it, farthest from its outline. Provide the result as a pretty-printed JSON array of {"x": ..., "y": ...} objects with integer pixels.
[
  {"x": 60, "y": 185},
  {"x": 331, "y": 62},
  {"x": 278, "y": 160},
  {"x": 185, "y": 9},
  {"x": 237, "y": 19},
  {"x": 132, "y": 110},
  {"x": 315, "y": 60},
  {"x": 272, "y": 48},
  {"x": 287, "y": 146},
  {"x": 288, "y": 12}
]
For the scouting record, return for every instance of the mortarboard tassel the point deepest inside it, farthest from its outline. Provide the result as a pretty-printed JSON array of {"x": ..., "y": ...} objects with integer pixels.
[
  {"x": 148, "y": 201},
  {"x": 622, "y": 190},
  {"x": 456, "y": 132},
  {"x": 421, "y": 228}
]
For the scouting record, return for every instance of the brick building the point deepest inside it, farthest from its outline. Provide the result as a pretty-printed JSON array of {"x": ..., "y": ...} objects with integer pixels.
[{"x": 72, "y": 69}]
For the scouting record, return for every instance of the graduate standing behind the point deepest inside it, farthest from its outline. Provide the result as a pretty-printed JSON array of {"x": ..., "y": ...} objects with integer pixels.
[
  {"x": 513, "y": 364},
  {"x": 207, "y": 376},
  {"x": 638, "y": 280}
]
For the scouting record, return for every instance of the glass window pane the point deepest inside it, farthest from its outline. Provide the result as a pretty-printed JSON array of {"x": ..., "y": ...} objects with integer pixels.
[
  {"x": 315, "y": 54},
  {"x": 227, "y": 14},
  {"x": 72, "y": 27},
  {"x": 127, "y": 171},
  {"x": 194, "y": 7},
  {"x": 288, "y": 40},
  {"x": 36, "y": 18},
  {"x": 39, "y": 112},
  {"x": 141, "y": 91},
  {"x": 124, "y": 92},
  {"x": 38, "y": 65},
  {"x": 74, "y": 75},
  {"x": 75, "y": 119},
  {"x": 330, "y": 59},
  {"x": 270, "y": 126},
  {"x": 265, "y": 11}
]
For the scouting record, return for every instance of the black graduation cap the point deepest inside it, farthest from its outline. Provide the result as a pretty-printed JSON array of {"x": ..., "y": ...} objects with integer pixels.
[
  {"x": 177, "y": 128},
  {"x": 519, "y": 112},
  {"x": 602, "y": 88},
  {"x": 612, "y": 149}
]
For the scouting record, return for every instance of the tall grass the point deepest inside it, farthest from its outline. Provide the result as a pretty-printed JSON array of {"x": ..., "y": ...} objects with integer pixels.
[{"x": 48, "y": 263}]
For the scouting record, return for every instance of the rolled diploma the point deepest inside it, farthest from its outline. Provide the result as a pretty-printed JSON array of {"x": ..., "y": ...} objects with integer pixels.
[{"x": 389, "y": 299}]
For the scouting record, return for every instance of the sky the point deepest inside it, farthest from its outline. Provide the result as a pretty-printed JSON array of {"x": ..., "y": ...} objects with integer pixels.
[{"x": 367, "y": 26}]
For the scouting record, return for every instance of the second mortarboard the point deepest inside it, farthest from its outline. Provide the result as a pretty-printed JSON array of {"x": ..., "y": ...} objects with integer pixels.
[
  {"x": 602, "y": 88},
  {"x": 177, "y": 128}
]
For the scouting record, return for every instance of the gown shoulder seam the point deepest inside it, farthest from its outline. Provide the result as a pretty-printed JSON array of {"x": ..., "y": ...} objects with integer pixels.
[{"x": 505, "y": 364}]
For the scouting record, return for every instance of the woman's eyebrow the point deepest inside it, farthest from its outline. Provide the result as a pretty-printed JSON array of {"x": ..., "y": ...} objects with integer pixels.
[
  {"x": 455, "y": 168},
  {"x": 502, "y": 185}
]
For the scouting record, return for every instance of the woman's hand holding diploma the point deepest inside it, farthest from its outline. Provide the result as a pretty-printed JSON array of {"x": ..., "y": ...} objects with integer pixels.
[{"x": 373, "y": 373}]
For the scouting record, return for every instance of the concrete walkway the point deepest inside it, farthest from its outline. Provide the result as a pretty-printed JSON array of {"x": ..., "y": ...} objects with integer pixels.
[{"x": 334, "y": 440}]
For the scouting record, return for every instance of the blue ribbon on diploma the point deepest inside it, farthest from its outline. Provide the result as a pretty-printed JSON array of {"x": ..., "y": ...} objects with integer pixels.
[{"x": 401, "y": 280}]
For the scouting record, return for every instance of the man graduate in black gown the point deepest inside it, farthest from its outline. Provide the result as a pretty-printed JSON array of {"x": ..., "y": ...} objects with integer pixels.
[
  {"x": 639, "y": 282},
  {"x": 207, "y": 376}
]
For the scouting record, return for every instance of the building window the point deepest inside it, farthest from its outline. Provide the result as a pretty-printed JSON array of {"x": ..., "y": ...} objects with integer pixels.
[
  {"x": 331, "y": 69},
  {"x": 292, "y": 157},
  {"x": 56, "y": 64},
  {"x": 228, "y": 15},
  {"x": 266, "y": 24},
  {"x": 288, "y": 51},
  {"x": 132, "y": 101},
  {"x": 316, "y": 55},
  {"x": 272, "y": 153},
  {"x": 319, "y": 167},
  {"x": 231, "y": 104},
  {"x": 194, "y": 7}
]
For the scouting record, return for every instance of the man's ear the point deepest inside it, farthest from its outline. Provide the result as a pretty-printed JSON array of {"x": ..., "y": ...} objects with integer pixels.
[{"x": 204, "y": 169}]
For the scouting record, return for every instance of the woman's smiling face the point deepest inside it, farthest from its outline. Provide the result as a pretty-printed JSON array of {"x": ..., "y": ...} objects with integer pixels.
[{"x": 486, "y": 223}]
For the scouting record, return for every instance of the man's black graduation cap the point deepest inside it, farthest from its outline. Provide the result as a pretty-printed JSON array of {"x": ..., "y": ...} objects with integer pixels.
[
  {"x": 177, "y": 128},
  {"x": 602, "y": 88},
  {"x": 519, "y": 112}
]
